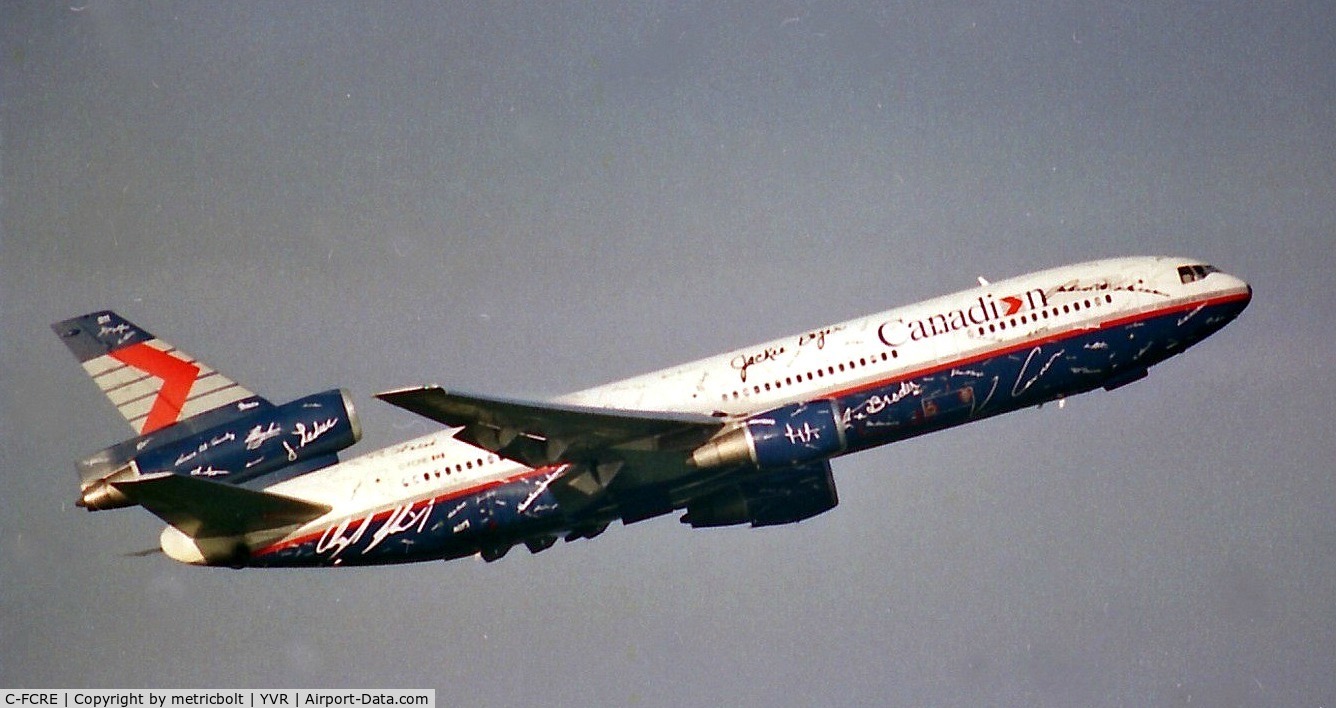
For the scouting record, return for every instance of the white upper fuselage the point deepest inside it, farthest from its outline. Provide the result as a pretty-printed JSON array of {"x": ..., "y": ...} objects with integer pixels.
[
  {"x": 817, "y": 363},
  {"x": 924, "y": 334}
]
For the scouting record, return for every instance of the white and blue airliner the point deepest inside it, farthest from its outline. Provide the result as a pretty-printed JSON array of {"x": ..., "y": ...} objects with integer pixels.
[{"x": 746, "y": 437}]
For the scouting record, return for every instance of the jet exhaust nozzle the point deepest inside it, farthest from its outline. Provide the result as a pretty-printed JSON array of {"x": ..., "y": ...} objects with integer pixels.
[{"x": 101, "y": 495}]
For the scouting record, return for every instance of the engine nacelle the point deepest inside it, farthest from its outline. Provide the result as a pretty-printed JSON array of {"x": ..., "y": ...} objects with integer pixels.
[
  {"x": 266, "y": 440},
  {"x": 308, "y": 431},
  {"x": 225, "y": 550},
  {"x": 782, "y": 497},
  {"x": 795, "y": 434}
]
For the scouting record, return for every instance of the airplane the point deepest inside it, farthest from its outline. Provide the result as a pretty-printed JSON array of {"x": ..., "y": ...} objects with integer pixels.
[{"x": 744, "y": 437}]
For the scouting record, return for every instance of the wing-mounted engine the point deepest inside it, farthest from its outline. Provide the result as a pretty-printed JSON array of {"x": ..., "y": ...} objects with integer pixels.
[
  {"x": 303, "y": 435},
  {"x": 790, "y": 435},
  {"x": 781, "y": 497}
]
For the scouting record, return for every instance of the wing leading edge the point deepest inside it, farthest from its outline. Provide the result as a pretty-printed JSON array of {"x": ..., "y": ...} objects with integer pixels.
[
  {"x": 636, "y": 449},
  {"x": 547, "y": 433},
  {"x": 627, "y": 464}
]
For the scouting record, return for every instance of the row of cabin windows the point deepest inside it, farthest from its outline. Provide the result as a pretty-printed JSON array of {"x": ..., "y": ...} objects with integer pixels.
[
  {"x": 831, "y": 370},
  {"x": 450, "y": 469},
  {"x": 1045, "y": 314},
  {"x": 778, "y": 384}
]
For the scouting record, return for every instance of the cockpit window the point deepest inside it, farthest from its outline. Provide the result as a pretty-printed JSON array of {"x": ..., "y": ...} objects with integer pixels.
[{"x": 1193, "y": 273}]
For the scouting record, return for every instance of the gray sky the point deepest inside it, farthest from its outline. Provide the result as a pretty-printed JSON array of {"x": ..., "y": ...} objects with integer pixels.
[{"x": 525, "y": 200}]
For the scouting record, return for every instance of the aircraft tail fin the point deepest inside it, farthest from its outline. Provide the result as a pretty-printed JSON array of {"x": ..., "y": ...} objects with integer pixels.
[{"x": 153, "y": 384}]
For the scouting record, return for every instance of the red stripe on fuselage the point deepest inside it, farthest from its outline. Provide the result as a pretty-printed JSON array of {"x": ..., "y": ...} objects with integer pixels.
[
  {"x": 385, "y": 513},
  {"x": 924, "y": 371},
  {"x": 1039, "y": 341}
]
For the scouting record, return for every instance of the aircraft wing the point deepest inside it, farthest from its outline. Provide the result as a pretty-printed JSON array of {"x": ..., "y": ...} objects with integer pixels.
[
  {"x": 547, "y": 433},
  {"x": 202, "y": 509}
]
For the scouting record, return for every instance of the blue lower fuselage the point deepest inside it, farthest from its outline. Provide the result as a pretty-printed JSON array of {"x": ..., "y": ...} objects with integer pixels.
[{"x": 944, "y": 394}]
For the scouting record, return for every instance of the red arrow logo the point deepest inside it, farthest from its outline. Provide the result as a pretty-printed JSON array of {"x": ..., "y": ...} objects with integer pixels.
[
  {"x": 178, "y": 376},
  {"x": 1013, "y": 304}
]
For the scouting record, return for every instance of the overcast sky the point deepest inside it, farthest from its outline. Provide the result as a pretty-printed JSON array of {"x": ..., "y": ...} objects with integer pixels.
[{"x": 528, "y": 199}]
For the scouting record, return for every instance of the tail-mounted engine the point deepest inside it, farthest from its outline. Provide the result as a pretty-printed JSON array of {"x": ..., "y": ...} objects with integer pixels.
[
  {"x": 795, "y": 434},
  {"x": 308, "y": 432}
]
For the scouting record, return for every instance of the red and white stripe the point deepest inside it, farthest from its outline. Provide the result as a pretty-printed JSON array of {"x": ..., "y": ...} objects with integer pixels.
[{"x": 154, "y": 384}]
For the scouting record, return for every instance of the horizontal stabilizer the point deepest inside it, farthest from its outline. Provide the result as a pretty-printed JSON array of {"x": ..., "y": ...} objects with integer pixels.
[{"x": 200, "y": 508}]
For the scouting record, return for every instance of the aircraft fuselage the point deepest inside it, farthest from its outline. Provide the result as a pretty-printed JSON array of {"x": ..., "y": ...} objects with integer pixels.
[{"x": 841, "y": 388}]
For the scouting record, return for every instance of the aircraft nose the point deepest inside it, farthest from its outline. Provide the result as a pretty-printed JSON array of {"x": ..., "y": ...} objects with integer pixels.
[
  {"x": 1240, "y": 287},
  {"x": 1234, "y": 284},
  {"x": 1247, "y": 289}
]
